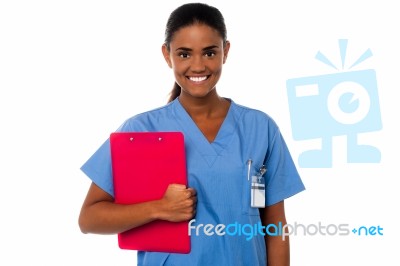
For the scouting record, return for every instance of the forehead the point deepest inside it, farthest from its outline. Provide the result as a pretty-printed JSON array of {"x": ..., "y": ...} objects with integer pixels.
[{"x": 196, "y": 35}]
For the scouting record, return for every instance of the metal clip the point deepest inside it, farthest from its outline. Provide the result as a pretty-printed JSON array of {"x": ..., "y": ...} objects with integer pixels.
[{"x": 261, "y": 172}]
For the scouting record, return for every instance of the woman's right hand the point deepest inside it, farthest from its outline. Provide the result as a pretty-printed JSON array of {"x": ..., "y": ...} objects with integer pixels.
[
  {"x": 101, "y": 215},
  {"x": 178, "y": 203}
]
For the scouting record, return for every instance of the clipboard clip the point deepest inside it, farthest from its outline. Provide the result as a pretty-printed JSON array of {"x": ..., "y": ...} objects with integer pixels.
[{"x": 159, "y": 139}]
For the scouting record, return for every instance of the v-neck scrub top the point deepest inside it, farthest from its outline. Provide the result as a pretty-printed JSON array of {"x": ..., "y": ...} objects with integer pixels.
[{"x": 218, "y": 171}]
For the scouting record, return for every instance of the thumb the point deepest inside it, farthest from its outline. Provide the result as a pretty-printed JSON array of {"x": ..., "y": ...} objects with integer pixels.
[{"x": 177, "y": 186}]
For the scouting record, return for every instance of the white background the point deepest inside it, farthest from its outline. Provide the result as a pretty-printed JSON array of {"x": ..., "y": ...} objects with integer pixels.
[{"x": 72, "y": 71}]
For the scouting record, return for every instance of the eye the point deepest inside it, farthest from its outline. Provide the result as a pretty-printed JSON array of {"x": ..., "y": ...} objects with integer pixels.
[
  {"x": 209, "y": 53},
  {"x": 184, "y": 55}
]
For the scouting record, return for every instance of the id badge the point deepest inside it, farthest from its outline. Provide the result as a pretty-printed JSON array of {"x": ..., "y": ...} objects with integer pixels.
[{"x": 257, "y": 192}]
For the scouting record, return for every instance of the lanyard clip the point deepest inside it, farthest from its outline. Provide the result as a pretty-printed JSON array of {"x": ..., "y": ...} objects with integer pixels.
[{"x": 261, "y": 172}]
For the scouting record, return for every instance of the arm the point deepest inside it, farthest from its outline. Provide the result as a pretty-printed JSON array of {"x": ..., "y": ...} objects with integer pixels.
[
  {"x": 100, "y": 215},
  {"x": 278, "y": 250}
]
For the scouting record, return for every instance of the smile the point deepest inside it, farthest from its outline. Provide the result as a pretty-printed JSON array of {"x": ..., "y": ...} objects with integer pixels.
[{"x": 198, "y": 79}]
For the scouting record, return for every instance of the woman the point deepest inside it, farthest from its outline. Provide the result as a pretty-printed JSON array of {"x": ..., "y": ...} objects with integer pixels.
[{"x": 226, "y": 145}]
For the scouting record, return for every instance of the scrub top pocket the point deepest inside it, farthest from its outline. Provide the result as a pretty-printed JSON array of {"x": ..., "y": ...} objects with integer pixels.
[{"x": 246, "y": 192}]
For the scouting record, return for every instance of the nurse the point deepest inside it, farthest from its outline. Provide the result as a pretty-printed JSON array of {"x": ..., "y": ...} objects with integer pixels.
[{"x": 232, "y": 151}]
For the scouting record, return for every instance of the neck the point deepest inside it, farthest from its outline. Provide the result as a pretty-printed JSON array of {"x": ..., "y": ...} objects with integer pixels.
[{"x": 206, "y": 106}]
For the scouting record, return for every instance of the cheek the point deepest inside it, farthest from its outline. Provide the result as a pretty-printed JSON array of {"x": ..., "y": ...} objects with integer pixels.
[
  {"x": 178, "y": 67},
  {"x": 216, "y": 65},
  {"x": 216, "y": 69}
]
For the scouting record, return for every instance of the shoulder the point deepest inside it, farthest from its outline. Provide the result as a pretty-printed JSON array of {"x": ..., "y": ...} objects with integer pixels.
[
  {"x": 250, "y": 115},
  {"x": 142, "y": 121},
  {"x": 162, "y": 110}
]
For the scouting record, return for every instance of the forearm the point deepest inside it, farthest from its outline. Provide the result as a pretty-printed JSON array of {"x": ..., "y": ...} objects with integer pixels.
[
  {"x": 278, "y": 251},
  {"x": 100, "y": 215},
  {"x": 109, "y": 218}
]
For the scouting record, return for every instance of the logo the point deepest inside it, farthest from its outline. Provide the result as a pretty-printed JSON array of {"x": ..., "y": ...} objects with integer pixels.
[
  {"x": 344, "y": 103},
  {"x": 249, "y": 231}
]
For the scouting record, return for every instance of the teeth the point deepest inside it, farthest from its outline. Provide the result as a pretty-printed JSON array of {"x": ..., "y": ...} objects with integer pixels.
[{"x": 197, "y": 79}]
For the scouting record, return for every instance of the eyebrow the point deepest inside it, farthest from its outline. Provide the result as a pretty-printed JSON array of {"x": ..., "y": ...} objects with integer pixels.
[{"x": 204, "y": 49}]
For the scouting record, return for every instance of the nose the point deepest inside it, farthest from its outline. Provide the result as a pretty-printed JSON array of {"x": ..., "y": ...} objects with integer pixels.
[{"x": 198, "y": 65}]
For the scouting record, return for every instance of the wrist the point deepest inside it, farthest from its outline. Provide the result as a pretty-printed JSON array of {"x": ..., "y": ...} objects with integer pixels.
[{"x": 158, "y": 210}]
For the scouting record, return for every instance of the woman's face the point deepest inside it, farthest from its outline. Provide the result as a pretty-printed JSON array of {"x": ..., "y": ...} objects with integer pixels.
[{"x": 196, "y": 55}]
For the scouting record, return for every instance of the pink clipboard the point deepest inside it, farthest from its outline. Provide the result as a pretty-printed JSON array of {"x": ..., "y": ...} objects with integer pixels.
[{"x": 143, "y": 165}]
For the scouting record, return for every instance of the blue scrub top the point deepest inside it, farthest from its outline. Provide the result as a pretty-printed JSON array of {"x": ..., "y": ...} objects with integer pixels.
[{"x": 218, "y": 171}]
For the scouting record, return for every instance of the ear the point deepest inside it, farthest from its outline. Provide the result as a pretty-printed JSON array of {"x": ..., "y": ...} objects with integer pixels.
[
  {"x": 226, "y": 50},
  {"x": 166, "y": 55}
]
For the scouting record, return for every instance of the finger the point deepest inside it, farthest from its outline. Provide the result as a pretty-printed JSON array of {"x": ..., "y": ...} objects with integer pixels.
[
  {"x": 192, "y": 191},
  {"x": 194, "y": 198},
  {"x": 188, "y": 194},
  {"x": 177, "y": 186}
]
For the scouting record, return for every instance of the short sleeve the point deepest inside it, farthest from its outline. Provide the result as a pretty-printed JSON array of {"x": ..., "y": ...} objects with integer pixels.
[
  {"x": 282, "y": 177},
  {"x": 98, "y": 168}
]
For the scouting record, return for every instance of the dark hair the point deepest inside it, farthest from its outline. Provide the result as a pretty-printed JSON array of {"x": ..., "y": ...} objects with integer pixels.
[{"x": 187, "y": 15}]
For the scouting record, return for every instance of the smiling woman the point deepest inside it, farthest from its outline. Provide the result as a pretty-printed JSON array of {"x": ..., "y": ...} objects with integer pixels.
[
  {"x": 196, "y": 55},
  {"x": 238, "y": 165}
]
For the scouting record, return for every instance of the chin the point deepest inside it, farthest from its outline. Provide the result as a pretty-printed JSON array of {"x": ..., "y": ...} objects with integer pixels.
[{"x": 198, "y": 93}]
